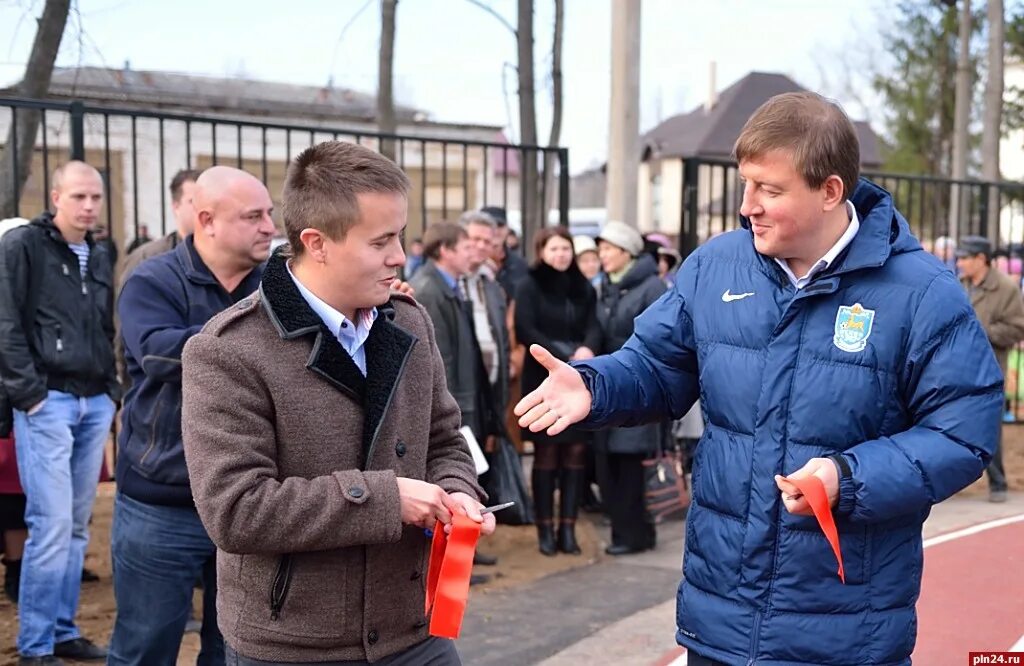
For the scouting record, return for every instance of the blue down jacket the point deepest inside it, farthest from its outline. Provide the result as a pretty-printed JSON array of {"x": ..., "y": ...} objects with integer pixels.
[{"x": 879, "y": 359}]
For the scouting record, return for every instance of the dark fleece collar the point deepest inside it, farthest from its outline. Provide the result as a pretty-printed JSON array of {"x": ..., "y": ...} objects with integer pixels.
[{"x": 387, "y": 347}]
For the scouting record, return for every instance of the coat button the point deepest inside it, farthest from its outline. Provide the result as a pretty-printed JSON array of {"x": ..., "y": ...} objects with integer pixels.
[
  {"x": 400, "y": 449},
  {"x": 420, "y": 624},
  {"x": 372, "y": 637},
  {"x": 415, "y": 575},
  {"x": 355, "y": 492}
]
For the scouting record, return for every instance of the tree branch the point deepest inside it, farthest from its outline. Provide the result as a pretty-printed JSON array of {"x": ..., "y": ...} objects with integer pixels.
[{"x": 490, "y": 10}]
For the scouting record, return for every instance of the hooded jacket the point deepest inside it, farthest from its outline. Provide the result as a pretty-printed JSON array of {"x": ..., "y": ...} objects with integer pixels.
[{"x": 879, "y": 361}]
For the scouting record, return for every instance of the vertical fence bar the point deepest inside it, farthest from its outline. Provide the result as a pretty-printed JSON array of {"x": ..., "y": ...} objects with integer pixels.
[
  {"x": 423, "y": 177},
  {"x": 46, "y": 161},
  {"x": 135, "y": 174},
  {"x": 263, "y": 156},
  {"x": 188, "y": 143},
  {"x": 15, "y": 182},
  {"x": 444, "y": 179},
  {"x": 909, "y": 210},
  {"x": 77, "y": 131},
  {"x": 542, "y": 207},
  {"x": 213, "y": 135},
  {"x": 465, "y": 177},
  {"x": 110, "y": 175},
  {"x": 726, "y": 208},
  {"x": 688, "y": 238},
  {"x": 563, "y": 186},
  {"x": 238, "y": 130},
  {"x": 288, "y": 145},
  {"x": 401, "y": 154},
  {"x": 163, "y": 179},
  {"x": 486, "y": 177},
  {"x": 504, "y": 178}
]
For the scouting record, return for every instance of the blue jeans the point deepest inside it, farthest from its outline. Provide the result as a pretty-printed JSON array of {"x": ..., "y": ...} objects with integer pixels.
[
  {"x": 158, "y": 552},
  {"x": 60, "y": 451}
]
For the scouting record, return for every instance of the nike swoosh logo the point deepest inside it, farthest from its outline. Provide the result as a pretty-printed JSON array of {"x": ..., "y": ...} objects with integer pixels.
[{"x": 729, "y": 298}]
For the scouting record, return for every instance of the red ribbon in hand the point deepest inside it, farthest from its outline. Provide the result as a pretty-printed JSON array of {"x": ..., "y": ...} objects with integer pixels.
[
  {"x": 814, "y": 490},
  {"x": 451, "y": 564}
]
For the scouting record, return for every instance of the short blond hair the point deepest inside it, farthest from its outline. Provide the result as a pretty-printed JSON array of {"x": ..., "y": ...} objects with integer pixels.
[
  {"x": 323, "y": 182},
  {"x": 815, "y": 130}
]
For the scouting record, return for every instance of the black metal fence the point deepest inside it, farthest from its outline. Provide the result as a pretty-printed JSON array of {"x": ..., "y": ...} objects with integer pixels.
[
  {"x": 138, "y": 152},
  {"x": 712, "y": 195}
]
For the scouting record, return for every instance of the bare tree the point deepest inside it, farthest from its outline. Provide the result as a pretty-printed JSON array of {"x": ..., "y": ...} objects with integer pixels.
[
  {"x": 556, "y": 107},
  {"x": 21, "y": 137},
  {"x": 385, "y": 77},
  {"x": 961, "y": 119},
  {"x": 527, "y": 122},
  {"x": 992, "y": 112}
]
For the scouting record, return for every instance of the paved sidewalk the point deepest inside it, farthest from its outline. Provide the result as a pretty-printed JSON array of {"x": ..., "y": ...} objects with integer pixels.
[{"x": 622, "y": 611}]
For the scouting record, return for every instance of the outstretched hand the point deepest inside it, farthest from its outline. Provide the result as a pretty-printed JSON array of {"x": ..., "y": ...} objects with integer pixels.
[{"x": 561, "y": 400}]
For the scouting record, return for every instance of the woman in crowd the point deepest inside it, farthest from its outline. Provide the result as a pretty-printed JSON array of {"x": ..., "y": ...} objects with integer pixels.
[
  {"x": 630, "y": 283},
  {"x": 555, "y": 308},
  {"x": 587, "y": 259}
]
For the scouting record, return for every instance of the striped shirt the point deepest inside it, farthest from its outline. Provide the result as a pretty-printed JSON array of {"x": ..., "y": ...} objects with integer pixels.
[{"x": 82, "y": 251}]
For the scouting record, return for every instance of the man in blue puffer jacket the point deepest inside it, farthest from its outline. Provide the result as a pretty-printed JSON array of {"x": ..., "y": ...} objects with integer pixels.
[{"x": 821, "y": 341}]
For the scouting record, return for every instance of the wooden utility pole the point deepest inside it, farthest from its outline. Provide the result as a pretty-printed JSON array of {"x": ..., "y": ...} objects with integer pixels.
[
  {"x": 385, "y": 77},
  {"x": 624, "y": 116},
  {"x": 961, "y": 119}
]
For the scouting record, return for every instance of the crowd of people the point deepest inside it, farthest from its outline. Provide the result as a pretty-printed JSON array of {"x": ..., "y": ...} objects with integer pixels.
[{"x": 292, "y": 420}]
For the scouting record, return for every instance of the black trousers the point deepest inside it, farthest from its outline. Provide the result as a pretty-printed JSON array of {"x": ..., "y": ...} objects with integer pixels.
[
  {"x": 631, "y": 526},
  {"x": 996, "y": 474},
  {"x": 694, "y": 659},
  {"x": 431, "y": 652}
]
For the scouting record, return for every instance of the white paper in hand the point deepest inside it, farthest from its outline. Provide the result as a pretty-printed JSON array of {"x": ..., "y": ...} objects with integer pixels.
[{"x": 479, "y": 459}]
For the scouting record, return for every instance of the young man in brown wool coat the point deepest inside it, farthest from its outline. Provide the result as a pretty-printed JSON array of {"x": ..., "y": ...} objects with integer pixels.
[{"x": 320, "y": 435}]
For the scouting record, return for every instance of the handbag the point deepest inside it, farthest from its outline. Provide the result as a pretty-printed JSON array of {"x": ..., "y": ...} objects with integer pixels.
[
  {"x": 666, "y": 494},
  {"x": 505, "y": 482}
]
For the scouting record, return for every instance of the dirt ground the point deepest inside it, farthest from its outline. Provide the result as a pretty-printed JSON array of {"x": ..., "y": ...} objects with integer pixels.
[
  {"x": 516, "y": 549},
  {"x": 519, "y": 561}
]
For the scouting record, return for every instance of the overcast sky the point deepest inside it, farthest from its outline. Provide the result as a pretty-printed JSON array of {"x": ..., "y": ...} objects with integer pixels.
[{"x": 450, "y": 56}]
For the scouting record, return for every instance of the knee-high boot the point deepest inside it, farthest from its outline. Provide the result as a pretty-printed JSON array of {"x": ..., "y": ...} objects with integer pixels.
[
  {"x": 544, "y": 505},
  {"x": 571, "y": 494}
]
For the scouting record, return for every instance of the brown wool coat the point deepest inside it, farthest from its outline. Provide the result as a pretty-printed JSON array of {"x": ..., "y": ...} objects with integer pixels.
[
  {"x": 999, "y": 307},
  {"x": 293, "y": 457}
]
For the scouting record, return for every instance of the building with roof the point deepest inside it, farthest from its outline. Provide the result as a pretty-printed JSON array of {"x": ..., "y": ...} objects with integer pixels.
[
  {"x": 707, "y": 134},
  {"x": 242, "y": 122}
]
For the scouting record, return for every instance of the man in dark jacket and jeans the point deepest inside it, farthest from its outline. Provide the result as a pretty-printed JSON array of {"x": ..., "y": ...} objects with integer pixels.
[
  {"x": 158, "y": 543},
  {"x": 57, "y": 365}
]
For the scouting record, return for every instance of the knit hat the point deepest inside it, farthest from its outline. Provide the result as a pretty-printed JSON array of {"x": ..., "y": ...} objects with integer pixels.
[
  {"x": 624, "y": 236},
  {"x": 581, "y": 244}
]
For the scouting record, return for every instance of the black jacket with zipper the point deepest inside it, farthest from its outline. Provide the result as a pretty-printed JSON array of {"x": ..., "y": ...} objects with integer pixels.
[{"x": 68, "y": 342}]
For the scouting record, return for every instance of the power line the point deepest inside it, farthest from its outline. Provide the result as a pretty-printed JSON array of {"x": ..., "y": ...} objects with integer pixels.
[{"x": 341, "y": 36}]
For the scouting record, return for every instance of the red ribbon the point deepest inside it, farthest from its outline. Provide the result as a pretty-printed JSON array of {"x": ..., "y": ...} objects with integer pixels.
[
  {"x": 451, "y": 563},
  {"x": 814, "y": 490}
]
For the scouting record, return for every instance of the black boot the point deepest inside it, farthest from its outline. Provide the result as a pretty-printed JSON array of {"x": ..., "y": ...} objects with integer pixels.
[
  {"x": 544, "y": 504},
  {"x": 571, "y": 494},
  {"x": 12, "y": 579}
]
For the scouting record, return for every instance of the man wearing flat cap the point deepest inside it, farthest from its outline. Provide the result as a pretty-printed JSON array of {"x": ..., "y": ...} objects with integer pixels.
[{"x": 998, "y": 306}]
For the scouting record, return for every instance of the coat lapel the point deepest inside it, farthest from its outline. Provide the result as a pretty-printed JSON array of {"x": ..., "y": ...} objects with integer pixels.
[
  {"x": 387, "y": 351},
  {"x": 293, "y": 318}
]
